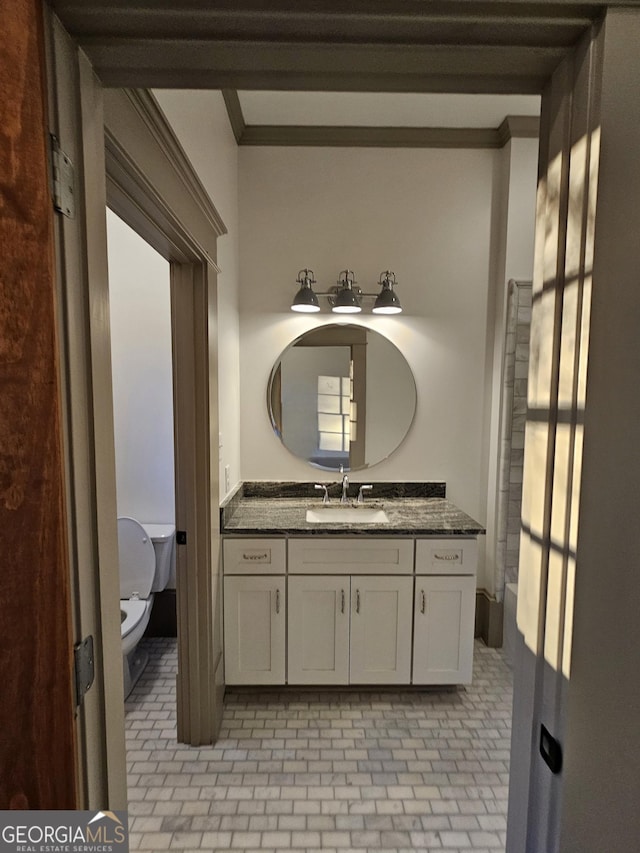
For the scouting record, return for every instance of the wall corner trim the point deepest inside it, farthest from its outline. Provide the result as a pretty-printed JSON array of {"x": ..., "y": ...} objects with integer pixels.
[
  {"x": 518, "y": 127},
  {"x": 153, "y": 116}
]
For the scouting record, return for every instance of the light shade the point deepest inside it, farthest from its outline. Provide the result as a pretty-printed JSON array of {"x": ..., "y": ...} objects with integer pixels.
[
  {"x": 305, "y": 301},
  {"x": 346, "y": 300},
  {"x": 387, "y": 301}
]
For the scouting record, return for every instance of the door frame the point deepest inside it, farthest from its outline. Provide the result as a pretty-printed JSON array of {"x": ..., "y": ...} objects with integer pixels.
[
  {"x": 152, "y": 186},
  {"x": 126, "y": 156}
]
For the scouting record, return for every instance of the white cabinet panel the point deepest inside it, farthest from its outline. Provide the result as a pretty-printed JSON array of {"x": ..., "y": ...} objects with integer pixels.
[
  {"x": 254, "y": 556},
  {"x": 254, "y": 630},
  {"x": 381, "y": 630},
  {"x": 443, "y": 629},
  {"x": 366, "y": 556},
  {"x": 318, "y": 619}
]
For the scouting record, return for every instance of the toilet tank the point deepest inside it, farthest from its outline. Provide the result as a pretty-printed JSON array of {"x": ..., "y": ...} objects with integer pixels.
[{"x": 163, "y": 537}]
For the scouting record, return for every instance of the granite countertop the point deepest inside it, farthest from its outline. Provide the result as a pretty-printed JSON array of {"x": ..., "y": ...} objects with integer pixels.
[{"x": 283, "y": 516}]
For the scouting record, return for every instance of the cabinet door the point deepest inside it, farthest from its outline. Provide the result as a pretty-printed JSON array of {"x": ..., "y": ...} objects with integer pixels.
[
  {"x": 318, "y": 618},
  {"x": 254, "y": 630},
  {"x": 443, "y": 629},
  {"x": 381, "y": 609}
]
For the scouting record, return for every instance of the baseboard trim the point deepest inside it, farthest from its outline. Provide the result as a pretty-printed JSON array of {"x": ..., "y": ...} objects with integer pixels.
[{"x": 489, "y": 618}]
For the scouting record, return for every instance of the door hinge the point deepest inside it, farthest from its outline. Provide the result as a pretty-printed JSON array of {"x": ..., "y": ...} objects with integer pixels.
[
  {"x": 63, "y": 178},
  {"x": 83, "y": 661}
]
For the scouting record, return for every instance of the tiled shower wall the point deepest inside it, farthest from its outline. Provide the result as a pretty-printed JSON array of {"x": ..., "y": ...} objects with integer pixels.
[{"x": 514, "y": 408}]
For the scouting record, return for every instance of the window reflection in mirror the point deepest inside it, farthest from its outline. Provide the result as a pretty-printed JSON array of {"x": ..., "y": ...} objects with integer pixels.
[{"x": 341, "y": 395}]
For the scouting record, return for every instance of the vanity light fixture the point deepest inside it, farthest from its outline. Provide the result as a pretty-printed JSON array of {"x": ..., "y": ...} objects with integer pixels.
[
  {"x": 305, "y": 301},
  {"x": 346, "y": 298},
  {"x": 387, "y": 301}
]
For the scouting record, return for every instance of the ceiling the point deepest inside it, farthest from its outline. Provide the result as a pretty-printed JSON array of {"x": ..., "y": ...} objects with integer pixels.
[{"x": 383, "y": 109}]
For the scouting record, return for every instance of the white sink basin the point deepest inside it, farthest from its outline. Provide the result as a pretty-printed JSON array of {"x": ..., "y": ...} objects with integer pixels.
[{"x": 347, "y": 515}]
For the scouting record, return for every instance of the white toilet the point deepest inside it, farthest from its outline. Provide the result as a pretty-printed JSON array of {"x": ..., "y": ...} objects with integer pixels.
[{"x": 146, "y": 554}]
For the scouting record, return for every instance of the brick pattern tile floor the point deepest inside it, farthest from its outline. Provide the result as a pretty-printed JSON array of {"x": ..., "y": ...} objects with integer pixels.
[{"x": 321, "y": 770}]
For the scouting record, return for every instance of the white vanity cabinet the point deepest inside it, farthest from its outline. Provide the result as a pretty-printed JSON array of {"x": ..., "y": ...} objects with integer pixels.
[
  {"x": 254, "y": 611},
  {"x": 348, "y": 625},
  {"x": 349, "y": 610},
  {"x": 444, "y": 611}
]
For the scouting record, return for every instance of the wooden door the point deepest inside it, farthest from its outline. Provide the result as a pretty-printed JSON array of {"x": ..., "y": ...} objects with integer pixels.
[
  {"x": 444, "y": 612},
  {"x": 318, "y": 621},
  {"x": 381, "y": 609},
  {"x": 254, "y": 629},
  {"x": 37, "y": 729}
]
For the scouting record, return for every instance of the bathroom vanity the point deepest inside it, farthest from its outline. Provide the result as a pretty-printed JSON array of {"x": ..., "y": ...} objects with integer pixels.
[{"x": 347, "y": 602}]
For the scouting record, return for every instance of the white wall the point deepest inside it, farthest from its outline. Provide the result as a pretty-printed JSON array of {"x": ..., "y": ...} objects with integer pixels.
[
  {"x": 199, "y": 120},
  {"x": 424, "y": 214},
  {"x": 142, "y": 375},
  {"x": 427, "y": 214}
]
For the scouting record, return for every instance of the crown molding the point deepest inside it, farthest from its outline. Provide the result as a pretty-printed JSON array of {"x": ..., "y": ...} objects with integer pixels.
[
  {"x": 375, "y": 137},
  {"x": 371, "y": 137},
  {"x": 234, "y": 111}
]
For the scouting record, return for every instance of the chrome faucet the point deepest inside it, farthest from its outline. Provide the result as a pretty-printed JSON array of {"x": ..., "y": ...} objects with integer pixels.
[
  {"x": 345, "y": 487},
  {"x": 363, "y": 489},
  {"x": 323, "y": 487}
]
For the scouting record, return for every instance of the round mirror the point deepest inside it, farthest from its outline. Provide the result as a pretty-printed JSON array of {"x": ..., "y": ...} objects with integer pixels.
[{"x": 341, "y": 395}]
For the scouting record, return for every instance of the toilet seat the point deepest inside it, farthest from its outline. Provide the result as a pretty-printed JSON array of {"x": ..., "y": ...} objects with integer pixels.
[
  {"x": 134, "y": 611},
  {"x": 137, "y": 614}
]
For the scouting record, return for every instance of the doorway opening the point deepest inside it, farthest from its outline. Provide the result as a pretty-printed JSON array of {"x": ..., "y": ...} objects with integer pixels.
[{"x": 142, "y": 374}]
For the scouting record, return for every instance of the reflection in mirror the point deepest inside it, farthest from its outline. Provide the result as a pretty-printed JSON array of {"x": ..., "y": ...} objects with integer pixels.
[{"x": 341, "y": 395}]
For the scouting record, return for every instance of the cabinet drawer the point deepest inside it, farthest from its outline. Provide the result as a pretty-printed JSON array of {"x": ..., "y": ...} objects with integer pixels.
[
  {"x": 369, "y": 556},
  {"x": 254, "y": 556},
  {"x": 455, "y": 556}
]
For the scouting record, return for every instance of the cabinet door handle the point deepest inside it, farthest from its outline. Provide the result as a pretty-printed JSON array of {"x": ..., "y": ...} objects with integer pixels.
[
  {"x": 341, "y": 601},
  {"x": 357, "y": 601},
  {"x": 423, "y": 605},
  {"x": 448, "y": 557},
  {"x": 277, "y": 601}
]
